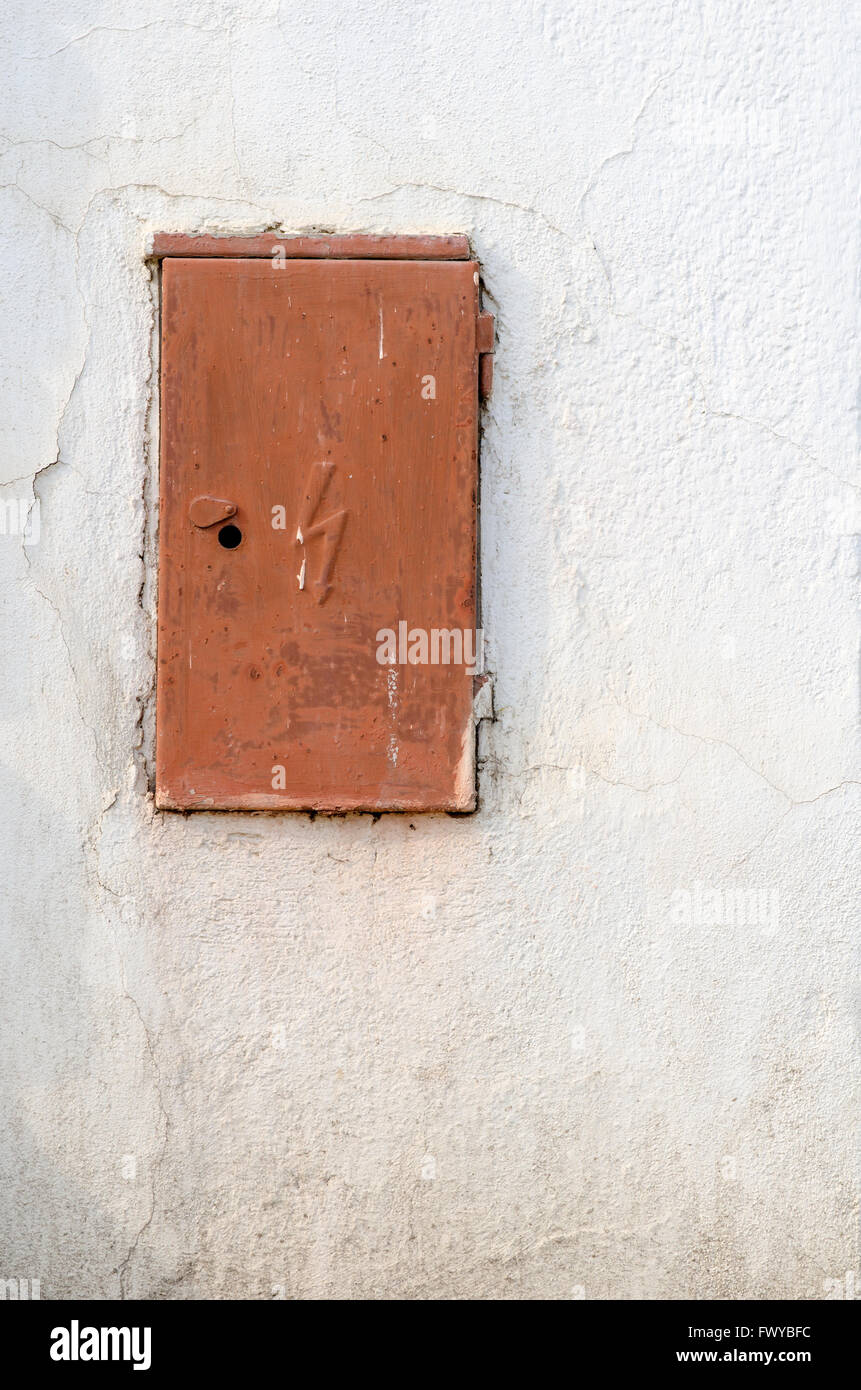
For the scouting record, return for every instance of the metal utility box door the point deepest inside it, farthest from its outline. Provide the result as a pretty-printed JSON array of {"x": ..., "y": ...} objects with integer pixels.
[{"x": 318, "y": 492}]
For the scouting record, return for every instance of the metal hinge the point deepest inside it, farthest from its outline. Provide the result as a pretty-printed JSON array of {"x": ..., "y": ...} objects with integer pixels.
[{"x": 485, "y": 333}]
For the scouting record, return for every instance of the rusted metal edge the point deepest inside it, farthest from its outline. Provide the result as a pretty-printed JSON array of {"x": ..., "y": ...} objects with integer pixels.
[
  {"x": 340, "y": 806},
  {"x": 485, "y": 334},
  {"x": 347, "y": 246}
]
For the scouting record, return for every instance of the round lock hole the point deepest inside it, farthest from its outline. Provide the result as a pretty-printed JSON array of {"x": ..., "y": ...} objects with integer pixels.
[{"x": 229, "y": 537}]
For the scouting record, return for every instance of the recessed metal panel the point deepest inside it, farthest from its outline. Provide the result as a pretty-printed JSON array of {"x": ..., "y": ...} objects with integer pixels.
[{"x": 328, "y": 409}]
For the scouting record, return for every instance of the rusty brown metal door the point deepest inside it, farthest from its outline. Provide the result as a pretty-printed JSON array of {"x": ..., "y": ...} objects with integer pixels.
[{"x": 318, "y": 488}]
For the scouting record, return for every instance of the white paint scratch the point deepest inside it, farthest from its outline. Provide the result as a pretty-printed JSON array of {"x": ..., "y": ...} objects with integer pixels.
[{"x": 392, "y": 691}]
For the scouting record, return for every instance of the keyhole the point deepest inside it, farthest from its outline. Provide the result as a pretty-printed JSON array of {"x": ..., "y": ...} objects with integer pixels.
[{"x": 229, "y": 537}]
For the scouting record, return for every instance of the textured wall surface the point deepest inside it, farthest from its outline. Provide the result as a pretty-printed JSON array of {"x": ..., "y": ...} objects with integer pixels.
[{"x": 598, "y": 1039}]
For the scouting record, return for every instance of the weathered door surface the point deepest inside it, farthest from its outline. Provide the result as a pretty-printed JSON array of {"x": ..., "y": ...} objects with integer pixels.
[{"x": 318, "y": 489}]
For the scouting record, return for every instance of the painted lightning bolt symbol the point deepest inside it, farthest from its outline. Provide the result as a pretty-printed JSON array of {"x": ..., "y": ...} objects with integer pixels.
[{"x": 331, "y": 527}]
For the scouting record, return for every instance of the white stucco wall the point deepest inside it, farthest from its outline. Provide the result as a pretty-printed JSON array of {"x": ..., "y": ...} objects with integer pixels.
[{"x": 520, "y": 1054}]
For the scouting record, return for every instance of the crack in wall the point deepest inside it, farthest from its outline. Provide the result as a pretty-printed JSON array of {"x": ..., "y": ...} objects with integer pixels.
[
  {"x": 601, "y": 777},
  {"x": 147, "y": 588},
  {"x": 114, "y": 29},
  {"x": 723, "y": 743}
]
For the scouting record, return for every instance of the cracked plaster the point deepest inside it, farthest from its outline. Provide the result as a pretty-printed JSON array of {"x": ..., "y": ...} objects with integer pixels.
[{"x": 274, "y": 1021}]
